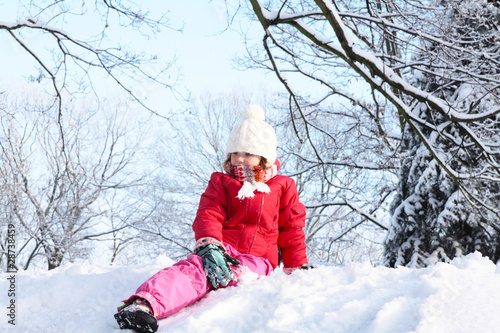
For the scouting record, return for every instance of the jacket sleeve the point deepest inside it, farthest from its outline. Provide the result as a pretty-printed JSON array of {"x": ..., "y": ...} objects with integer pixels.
[
  {"x": 211, "y": 213},
  {"x": 291, "y": 239}
]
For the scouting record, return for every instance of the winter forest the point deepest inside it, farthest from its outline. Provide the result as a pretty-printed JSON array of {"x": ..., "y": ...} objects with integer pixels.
[{"x": 387, "y": 115}]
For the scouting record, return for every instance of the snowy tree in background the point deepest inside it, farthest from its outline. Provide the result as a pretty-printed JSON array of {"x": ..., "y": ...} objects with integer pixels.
[
  {"x": 55, "y": 193},
  {"x": 433, "y": 220},
  {"x": 71, "y": 45},
  {"x": 64, "y": 172}
]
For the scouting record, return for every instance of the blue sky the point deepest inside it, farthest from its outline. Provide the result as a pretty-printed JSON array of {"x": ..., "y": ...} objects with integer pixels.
[{"x": 204, "y": 53}]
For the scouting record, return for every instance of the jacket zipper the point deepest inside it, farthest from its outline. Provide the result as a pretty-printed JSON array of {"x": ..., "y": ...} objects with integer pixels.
[{"x": 257, "y": 224}]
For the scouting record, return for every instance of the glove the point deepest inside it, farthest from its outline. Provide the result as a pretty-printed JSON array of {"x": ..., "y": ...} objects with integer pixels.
[
  {"x": 216, "y": 263},
  {"x": 290, "y": 270},
  {"x": 307, "y": 266}
]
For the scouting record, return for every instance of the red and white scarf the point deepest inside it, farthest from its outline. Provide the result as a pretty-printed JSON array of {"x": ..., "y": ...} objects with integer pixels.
[{"x": 254, "y": 178}]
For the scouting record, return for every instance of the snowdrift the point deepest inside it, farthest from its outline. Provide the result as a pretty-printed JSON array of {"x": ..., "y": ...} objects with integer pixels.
[{"x": 463, "y": 296}]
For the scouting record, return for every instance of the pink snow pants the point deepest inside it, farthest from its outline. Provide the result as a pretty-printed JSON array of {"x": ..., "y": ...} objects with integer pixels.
[{"x": 183, "y": 283}]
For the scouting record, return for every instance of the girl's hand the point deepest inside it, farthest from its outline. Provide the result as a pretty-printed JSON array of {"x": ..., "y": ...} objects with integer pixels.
[
  {"x": 290, "y": 270},
  {"x": 216, "y": 264}
]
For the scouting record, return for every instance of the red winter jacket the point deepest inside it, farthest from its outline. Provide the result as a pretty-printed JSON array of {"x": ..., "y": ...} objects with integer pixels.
[{"x": 258, "y": 225}]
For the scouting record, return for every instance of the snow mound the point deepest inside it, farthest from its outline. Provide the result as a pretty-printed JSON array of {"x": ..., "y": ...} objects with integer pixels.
[{"x": 463, "y": 296}]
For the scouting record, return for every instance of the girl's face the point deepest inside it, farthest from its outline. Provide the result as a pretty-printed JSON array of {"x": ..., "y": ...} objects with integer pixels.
[{"x": 246, "y": 159}]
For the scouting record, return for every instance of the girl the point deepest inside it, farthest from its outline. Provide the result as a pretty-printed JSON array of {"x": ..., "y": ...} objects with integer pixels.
[{"x": 249, "y": 218}]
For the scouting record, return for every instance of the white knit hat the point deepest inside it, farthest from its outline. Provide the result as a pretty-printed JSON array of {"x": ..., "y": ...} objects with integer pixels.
[{"x": 253, "y": 135}]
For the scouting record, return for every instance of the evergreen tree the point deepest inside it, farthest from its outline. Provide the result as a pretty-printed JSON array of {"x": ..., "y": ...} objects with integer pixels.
[{"x": 437, "y": 216}]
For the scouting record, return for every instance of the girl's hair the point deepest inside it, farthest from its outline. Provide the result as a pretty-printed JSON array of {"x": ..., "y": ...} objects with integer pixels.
[{"x": 264, "y": 164}]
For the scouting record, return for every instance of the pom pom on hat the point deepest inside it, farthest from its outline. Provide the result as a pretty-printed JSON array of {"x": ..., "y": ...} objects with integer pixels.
[
  {"x": 253, "y": 111},
  {"x": 253, "y": 135}
]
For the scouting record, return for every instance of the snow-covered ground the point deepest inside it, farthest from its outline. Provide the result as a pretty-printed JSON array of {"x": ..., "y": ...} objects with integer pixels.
[{"x": 463, "y": 296}]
